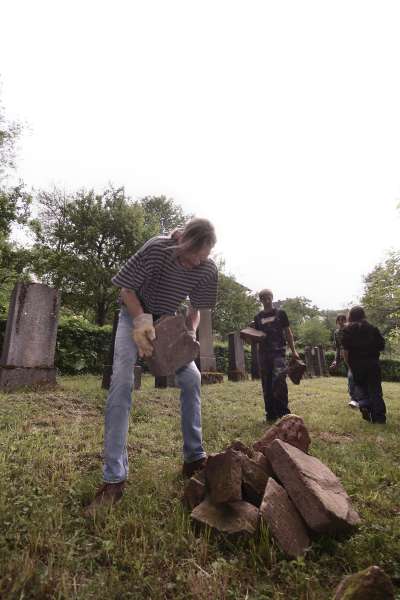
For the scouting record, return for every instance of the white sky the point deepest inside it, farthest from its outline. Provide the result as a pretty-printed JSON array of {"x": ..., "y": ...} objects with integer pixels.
[{"x": 278, "y": 120}]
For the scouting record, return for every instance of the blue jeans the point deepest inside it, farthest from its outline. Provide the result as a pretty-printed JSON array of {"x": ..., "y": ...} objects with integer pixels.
[{"x": 119, "y": 403}]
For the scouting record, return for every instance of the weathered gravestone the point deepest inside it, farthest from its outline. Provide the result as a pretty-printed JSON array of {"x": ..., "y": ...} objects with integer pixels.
[
  {"x": 237, "y": 367},
  {"x": 285, "y": 522},
  {"x": 30, "y": 339},
  {"x": 316, "y": 492},
  {"x": 206, "y": 361},
  {"x": 315, "y": 361}
]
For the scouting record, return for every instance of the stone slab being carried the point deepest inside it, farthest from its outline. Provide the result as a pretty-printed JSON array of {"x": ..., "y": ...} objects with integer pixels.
[
  {"x": 284, "y": 520},
  {"x": 316, "y": 492},
  {"x": 249, "y": 335},
  {"x": 174, "y": 347}
]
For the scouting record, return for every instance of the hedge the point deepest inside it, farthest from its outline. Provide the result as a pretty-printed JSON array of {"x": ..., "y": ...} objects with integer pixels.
[{"x": 83, "y": 348}]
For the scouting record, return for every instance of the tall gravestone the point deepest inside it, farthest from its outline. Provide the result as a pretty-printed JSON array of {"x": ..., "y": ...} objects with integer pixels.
[
  {"x": 207, "y": 359},
  {"x": 237, "y": 367},
  {"x": 30, "y": 338}
]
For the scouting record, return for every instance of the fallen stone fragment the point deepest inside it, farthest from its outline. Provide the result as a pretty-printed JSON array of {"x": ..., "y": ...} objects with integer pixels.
[
  {"x": 290, "y": 429},
  {"x": 174, "y": 347},
  {"x": 254, "y": 480},
  {"x": 284, "y": 521},
  {"x": 262, "y": 460},
  {"x": 233, "y": 517},
  {"x": 195, "y": 489},
  {"x": 370, "y": 584},
  {"x": 240, "y": 447},
  {"x": 316, "y": 492},
  {"x": 224, "y": 476}
]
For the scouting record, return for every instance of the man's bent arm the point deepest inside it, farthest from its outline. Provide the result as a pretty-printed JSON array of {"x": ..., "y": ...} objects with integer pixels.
[{"x": 132, "y": 302}]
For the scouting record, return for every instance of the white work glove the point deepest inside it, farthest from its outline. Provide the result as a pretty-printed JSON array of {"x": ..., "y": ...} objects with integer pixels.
[{"x": 143, "y": 333}]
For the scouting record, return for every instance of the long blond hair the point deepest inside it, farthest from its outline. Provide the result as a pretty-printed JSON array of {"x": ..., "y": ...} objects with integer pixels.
[{"x": 196, "y": 234}]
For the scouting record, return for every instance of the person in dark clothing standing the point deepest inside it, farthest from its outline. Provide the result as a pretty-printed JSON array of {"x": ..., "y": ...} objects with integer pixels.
[
  {"x": 337, "y": 338},
  {"x": 273, "y": 369},
  {"x": 362, "y": 344}
]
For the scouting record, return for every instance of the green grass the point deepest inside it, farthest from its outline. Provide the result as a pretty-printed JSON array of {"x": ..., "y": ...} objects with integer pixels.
[{"x": 145, "y": 547}]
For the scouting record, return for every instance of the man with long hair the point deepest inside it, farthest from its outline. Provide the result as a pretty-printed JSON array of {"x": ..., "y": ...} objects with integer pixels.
[
  {"x": 362, "y": 344},
  {"x": 154, "y": 282}
]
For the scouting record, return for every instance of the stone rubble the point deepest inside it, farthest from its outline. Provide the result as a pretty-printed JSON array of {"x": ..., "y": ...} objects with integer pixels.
[{"x": 274, "y": 481}]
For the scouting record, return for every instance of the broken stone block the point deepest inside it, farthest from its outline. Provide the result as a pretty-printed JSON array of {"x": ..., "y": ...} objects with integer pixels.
[
  {"x": 249, "y": 335},
  {"x": 284, "y": 521},
  {"x": 370, "y": 584},
  {"x": 174, "y": 347},
  {"x": 262, "y": 460},
  {"x": 254, "y": 480},
  {"x": 224, "y": 476},
  {"x": 195, "y": 489},
  {"x": 316, "y": 492},
  {"x": 290, "y": 429},
  {"x": 233, "y": 517},
  {"x": 240, "y": 447}
]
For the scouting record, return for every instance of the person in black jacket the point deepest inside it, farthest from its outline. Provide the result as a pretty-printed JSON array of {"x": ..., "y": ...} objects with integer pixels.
[
  {"x": 273, "y": 368},
  {"x": 362, "y": 344}
]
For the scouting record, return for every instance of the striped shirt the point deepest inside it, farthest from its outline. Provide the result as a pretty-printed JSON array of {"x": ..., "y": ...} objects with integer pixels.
[{"x": 162, "y": 283}]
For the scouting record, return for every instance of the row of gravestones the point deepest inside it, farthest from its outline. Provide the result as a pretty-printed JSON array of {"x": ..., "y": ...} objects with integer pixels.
[
  {"x": 314, "y": 359},
  {"x": 27, "y": 356},
  {"x": 30, "y": 339}
]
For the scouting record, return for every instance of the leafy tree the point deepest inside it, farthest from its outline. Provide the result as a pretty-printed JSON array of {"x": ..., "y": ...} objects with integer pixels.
[
  {"x": 313, "y": 331},
  {"x": 83, "y": 239},
  {"x": 381, "y": 297},
  {"x": 299, "y": 310},
  {"x": 162, "y": 215},
  {"x": 235, "y": 307},
  {"x": 14, "y": 208}
]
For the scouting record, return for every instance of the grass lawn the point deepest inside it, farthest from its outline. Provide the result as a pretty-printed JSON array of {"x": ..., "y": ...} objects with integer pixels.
[{"x": 145, "y": 547}]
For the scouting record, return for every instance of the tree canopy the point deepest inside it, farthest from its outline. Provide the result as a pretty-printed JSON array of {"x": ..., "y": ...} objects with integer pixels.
[{"x": 82, "y": 239}]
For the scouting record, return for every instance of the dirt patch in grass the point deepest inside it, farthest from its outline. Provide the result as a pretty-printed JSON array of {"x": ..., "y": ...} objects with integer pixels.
[{"x": 335, "y": 438}]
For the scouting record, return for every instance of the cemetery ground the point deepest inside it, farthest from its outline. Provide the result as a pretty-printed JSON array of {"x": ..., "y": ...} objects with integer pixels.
[{"x": 146, "y": 546}]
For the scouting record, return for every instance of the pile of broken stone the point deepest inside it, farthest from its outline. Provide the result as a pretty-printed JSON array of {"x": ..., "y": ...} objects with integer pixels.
[{"x": 276, "y": 482}]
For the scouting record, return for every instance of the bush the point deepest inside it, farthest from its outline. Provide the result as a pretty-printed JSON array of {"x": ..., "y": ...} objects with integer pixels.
[
  {"x": 221, "y": 351},
  {"x": 81, "y": 347}
]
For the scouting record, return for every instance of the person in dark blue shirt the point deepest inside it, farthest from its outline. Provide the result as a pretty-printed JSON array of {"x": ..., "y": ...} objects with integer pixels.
[{"x": 272, "y": 356}]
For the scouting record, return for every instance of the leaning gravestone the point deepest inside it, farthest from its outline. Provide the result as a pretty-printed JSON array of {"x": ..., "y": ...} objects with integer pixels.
[
  {"x": 237, "y": 367},
  {"x": 30, "y": 339}
]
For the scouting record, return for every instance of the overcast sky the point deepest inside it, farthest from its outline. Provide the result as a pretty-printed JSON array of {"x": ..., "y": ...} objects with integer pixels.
[{"x": 279, "y": 121}]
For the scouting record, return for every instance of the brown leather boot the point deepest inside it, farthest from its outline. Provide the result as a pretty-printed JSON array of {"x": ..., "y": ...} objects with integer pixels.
[
  {"x": 106, "y": 495},
  {"x": 189, "y": 469}
]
